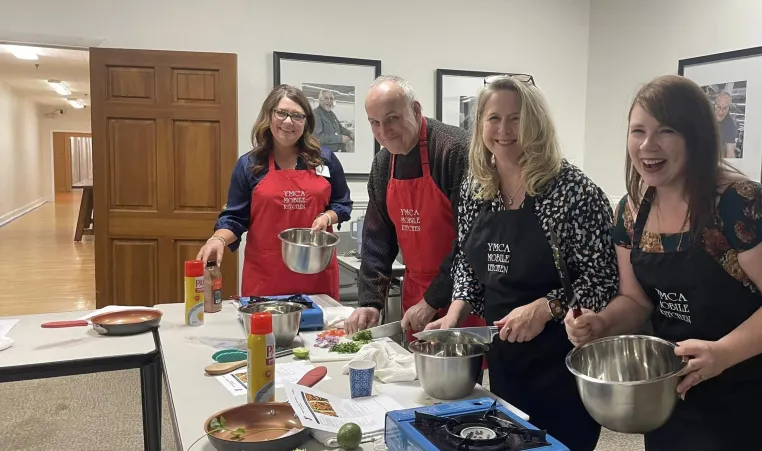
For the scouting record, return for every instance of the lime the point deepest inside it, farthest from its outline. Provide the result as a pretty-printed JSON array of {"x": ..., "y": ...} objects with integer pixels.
[
  {"x": 349, "y": 436},
  {"x": 301, "y": 353}
]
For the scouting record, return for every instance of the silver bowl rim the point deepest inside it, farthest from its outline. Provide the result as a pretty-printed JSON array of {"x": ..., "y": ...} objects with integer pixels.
[
  {"x": 242, "y": 308},
  {"x": 484, "y": 347},
  {"x": 587, "y": 378},
  {"x": 280, "y": 236}
]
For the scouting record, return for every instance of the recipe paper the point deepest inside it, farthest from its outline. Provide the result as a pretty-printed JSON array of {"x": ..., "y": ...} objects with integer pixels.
[
  {"x": 6, "y": 325},
  {"x": 289, "y": 372},
  {"x": 318, "y": 410}
]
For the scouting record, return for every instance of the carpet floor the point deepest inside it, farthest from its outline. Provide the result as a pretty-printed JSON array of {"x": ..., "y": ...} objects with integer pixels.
[{"x": 102, "y": 411}]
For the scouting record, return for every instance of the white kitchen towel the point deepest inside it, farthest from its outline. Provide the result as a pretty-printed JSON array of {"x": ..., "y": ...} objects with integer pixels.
[
  {"x": 5, "y": 343},
  {"x": 334, "y": 317},
  {"x": 390, "y": 366},
  {"x": 329, "y": 438}
]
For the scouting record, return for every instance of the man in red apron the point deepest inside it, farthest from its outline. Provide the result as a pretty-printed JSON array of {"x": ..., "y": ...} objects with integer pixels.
[{"x": 412, "y": 192}]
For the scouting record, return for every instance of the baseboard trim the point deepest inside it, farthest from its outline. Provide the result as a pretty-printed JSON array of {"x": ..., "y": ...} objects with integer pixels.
[{"x": 19, "y": 212}]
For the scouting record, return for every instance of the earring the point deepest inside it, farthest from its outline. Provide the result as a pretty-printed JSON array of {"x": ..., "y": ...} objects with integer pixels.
[{"x": 492, "y": 160}]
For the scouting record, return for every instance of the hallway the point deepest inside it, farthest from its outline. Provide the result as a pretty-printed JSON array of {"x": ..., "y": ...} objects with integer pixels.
[{"x": 43, "y": 269}]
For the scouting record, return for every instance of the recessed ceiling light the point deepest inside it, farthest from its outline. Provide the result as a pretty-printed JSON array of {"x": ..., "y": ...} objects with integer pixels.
[
  {"x": 60, "y": 87},
  {"x": 76, "y": 103},
  {"x": 23, "y": 53}
]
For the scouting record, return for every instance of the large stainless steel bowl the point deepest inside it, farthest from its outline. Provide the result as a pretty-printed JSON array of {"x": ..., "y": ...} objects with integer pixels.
[
  {"x": 628, "y": 382},
  {"x": 286, "y": 319},
  {"x": 447, "y": 370},
  {"x": 305, "y": 251}
]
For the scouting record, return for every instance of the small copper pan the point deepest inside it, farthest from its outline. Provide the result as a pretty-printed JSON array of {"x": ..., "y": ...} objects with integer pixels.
[
  {"x": 124, "y": 322},
  {"x": 263, "y": 425}
]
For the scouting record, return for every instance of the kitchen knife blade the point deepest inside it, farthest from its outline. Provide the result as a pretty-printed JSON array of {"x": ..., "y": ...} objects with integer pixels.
[
  {"x": 482, "y": 334},
  {"x": 385, "y": 330},
  {"x": 563, "y": 272}
]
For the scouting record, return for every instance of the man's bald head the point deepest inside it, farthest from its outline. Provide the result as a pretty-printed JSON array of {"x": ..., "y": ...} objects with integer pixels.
[{"x": 394, "y": 113}]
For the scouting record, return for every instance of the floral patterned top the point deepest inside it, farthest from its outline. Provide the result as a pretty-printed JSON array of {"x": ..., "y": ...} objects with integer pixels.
[
  {"x": 581, "y": 211},
  {"x": 738, "y": 227}
]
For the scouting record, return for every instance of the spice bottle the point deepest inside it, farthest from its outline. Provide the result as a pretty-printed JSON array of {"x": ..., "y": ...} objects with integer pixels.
[
  {"x": 194, "y": 292},
  {"x": 261, "y": 359},
  {"x": 212, "y": 287}
]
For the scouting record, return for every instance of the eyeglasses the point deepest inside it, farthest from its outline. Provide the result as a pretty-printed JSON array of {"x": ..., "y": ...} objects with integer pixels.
[
  {"x": 524, "y": 78},
  {"x": 295, "y": 117}
]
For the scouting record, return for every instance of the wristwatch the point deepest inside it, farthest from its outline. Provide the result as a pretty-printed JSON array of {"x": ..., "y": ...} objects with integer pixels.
[{"x": 556, "y": 309}]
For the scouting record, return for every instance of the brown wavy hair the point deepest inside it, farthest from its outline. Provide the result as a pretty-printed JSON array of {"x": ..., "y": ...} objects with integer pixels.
[
  {"x": 679, "y": 103},
  {"x": 262, "y": 138}
]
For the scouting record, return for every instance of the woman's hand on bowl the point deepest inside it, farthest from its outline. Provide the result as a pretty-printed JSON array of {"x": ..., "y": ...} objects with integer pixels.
[
  {"x": 706, "y": 360},
  {"x": 587, "y": 327},
  {"x": 321, "y": 223}
]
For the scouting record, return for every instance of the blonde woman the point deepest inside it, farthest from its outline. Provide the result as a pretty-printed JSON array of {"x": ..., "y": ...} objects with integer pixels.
[{"x": 518, "y": 190}]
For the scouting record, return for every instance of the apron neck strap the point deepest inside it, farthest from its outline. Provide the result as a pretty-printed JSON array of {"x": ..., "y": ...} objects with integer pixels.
[
  {"x": 423, "y": 147},
  {"x": 640, "y": 222},
  {"x": 271, "y": 162}
]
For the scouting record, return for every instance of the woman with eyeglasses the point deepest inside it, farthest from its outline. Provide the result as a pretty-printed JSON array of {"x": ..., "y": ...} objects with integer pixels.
[
  {"x": 521, "y": 200},
  {"x": 286, "y": 181}
]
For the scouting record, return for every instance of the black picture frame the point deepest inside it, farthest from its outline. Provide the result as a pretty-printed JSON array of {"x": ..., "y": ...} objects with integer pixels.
[
  {"x": 733, "y": 83},
  {"x": 358, "y": 161},
  {"x": 478, "y": 77}
]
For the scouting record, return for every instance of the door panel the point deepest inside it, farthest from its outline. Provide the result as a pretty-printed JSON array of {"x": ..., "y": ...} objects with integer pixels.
[{"x": 165, "y": 143}]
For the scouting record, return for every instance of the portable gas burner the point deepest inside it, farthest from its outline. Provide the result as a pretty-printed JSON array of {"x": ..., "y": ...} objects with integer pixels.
[
  {"x": 312, "y": 315},
  {"x": 474, "y": 425}
]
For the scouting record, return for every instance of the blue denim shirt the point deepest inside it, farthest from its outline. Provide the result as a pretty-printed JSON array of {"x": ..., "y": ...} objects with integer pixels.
[{"x": 237, "y": 213}]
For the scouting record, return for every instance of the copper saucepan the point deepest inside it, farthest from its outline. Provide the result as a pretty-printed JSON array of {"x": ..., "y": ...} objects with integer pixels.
[
  {"x": 262, "y": 425},
  {"x": 124, "y": 322}
]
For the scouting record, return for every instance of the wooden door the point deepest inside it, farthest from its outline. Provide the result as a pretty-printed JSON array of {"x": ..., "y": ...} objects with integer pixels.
[
  {"x": 62, "y": 159},
  {"x": 165, "y": 142}
]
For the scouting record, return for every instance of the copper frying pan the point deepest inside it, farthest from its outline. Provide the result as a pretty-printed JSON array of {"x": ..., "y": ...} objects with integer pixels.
[
  {"x": 125, "y": 322},
  {"x": 263, "y": 424}
]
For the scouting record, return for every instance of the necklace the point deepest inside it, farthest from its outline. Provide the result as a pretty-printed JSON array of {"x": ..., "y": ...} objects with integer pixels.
[
  {"x": 682, "y": 226},
  {"x": 509, "y": 199}
]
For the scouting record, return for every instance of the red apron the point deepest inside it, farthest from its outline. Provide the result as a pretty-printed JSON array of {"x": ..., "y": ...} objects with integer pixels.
[
  {"x": 284, "y": 199},
  {"x": 424, "y": 222}
]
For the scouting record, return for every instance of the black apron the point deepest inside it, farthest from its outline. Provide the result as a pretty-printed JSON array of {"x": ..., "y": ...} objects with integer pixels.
[
  {"x": 694, "y": 297},
  {"x": 511, "y": 258}
]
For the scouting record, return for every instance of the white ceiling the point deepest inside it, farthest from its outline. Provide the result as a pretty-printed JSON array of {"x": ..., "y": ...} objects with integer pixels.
[{"x": 29, "y": 77}]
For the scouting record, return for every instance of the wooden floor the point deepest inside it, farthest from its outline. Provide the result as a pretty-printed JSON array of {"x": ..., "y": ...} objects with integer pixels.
[{"x": 42, "y": 268}]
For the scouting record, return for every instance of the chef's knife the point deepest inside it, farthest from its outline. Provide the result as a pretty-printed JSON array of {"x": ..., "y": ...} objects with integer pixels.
[
  {"x": 482, "y": 334},
  {"x": 386, "y": 330},
  {"x": 563, "y": 272}
]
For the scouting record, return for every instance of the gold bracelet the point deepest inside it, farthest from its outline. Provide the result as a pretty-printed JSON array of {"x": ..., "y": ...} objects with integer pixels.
[{"x": 215, "y": 237}]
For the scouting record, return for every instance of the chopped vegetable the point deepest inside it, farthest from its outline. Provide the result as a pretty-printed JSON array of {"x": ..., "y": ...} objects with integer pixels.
[
  {"x": 363, "y": 335},
  {"x": 349, "y": 347}
]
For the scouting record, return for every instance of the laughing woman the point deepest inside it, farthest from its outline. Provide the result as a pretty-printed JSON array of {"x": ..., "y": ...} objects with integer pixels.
[
  {"x": 520, "y": 193},
  {"x": 689, "y": 242},
  {"x": 286, "y": 181}
]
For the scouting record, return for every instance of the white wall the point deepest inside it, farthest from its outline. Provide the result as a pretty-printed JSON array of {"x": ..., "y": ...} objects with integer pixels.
[
  {"x": 546, "y": 38},
  {"x": 633, "y": 41},
  {"x": 22, "y": 181},
  {"x": 72, "y": 121}
]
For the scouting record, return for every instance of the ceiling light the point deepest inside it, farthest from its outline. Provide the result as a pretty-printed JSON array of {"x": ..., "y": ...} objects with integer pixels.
[
  {"x": 76, "y": 103},
  {"x": 24, "y": 53},
  {"x": 60, "y": 87}
]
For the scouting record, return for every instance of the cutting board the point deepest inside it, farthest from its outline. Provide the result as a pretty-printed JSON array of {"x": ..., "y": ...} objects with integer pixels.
[{"x": 318, "y": 355}]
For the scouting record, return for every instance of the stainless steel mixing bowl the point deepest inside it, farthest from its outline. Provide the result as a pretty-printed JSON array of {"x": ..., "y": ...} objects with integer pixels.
[
  {"x": 628, "y": 382},
  {"x": 447, "y": 370},
  {"x": 305, "y": 251},
  {"x": 286, "y": 319}
]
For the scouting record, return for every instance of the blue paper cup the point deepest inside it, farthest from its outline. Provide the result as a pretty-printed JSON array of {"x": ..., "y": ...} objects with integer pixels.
[{"x": 361, "y": 378}]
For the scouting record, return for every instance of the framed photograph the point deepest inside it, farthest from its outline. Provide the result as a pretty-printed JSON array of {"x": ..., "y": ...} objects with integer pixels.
[
  {"x": 336, "y": 88},
  {"x": 456, "y": 95},
  {"x": 733, "y": 83}
]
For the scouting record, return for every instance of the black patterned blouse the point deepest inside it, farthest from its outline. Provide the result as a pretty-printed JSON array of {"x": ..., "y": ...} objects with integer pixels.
[
  {"x": 582, "y": 217},
  {"x": 738, "y": 227}
]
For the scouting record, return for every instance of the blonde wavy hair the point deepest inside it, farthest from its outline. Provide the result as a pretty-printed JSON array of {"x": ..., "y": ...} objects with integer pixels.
[{"x": 541, "y": 160}]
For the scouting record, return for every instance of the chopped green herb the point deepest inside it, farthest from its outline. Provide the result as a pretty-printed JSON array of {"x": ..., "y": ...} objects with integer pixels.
[
  {"x": 350, "y": 347},
  {"x": 363, "y": 335}
]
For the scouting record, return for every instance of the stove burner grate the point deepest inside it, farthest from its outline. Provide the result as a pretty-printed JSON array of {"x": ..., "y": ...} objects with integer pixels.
[
  {"x": 297, "y": 298},
  {"x": 487, "y": 431}
]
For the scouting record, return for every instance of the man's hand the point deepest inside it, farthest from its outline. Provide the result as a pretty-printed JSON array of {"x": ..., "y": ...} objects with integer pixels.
[
  {"x": 418, "y": 316},
  {"x": 361, "y": 319}
]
